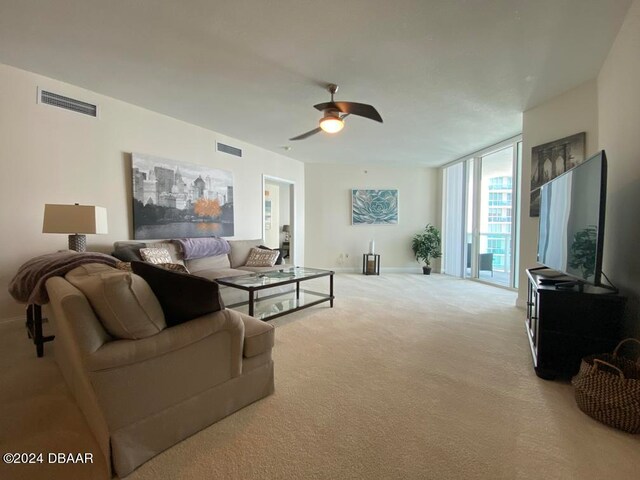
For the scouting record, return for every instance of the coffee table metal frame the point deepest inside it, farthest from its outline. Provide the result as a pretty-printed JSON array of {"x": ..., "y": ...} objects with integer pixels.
[{"x": 277, "y": 281}]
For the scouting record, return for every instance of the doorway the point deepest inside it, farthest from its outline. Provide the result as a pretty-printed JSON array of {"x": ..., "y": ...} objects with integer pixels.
[{"x": 278, "y": 216}]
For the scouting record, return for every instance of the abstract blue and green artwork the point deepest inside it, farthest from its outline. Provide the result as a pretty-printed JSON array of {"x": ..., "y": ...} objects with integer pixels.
[{"x": 374, "y": 207}]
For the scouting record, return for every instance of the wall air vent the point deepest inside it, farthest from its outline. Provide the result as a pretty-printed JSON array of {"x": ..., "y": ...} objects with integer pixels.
[
  {"x": 229, "y": 149},
  {"x": 78, "y": 106}
]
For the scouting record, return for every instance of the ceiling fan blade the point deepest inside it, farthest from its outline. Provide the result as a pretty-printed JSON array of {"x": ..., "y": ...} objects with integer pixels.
[
  {"x": 360, "y": 109},
  {"x": 353, "y": 108},
  {"x": 330, "y": 105},
  {"x": 306, "y": 135}
]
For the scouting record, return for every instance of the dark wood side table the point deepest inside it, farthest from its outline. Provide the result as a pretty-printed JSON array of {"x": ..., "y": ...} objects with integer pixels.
[
  {"x": 285, "y": 249},
  {"x": 370, "y": 264},
  {"x": 34, "y": 328}
]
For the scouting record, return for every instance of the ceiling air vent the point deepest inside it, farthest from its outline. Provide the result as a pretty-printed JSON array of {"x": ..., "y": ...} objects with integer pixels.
[
  {"x": 78, "y": 106},
  {"x": 229, "y": 149}
]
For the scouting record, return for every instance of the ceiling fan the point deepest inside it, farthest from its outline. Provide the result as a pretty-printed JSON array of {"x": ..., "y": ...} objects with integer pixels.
[{"x": 336, "y": 112}]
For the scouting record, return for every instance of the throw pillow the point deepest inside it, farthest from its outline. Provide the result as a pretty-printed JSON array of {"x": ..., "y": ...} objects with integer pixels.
[
  {"x": 262, "y": 258},
  {"x": 128, "y": 253},
  {"x": 156, "y": 255},
  {"x": 182, "y": 297},
  {"x": 124, "y": 266},
  {"x": 280, "y": 259},
  {"x": 175, "y": 267},
  {"x": 124, "y": 302}
]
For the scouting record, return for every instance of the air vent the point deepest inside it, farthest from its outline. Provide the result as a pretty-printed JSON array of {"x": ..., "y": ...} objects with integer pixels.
[
  {"x": 78, "y": 106},
  {"x": 229, "y": 149}
]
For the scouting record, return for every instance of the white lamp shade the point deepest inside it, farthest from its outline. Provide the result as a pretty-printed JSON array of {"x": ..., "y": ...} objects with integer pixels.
[
  {"x": 74, "y": 219},
  {"x": 331, "y": 124}
]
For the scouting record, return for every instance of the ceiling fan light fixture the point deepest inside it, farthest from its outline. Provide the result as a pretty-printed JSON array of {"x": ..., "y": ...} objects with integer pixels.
[{"x": 331, "y": 123}]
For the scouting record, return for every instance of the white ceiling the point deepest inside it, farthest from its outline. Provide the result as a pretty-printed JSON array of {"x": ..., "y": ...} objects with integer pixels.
[{"x": 448, "y": 76}]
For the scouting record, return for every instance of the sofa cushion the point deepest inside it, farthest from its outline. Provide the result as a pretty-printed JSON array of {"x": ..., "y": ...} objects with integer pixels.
[
  {"x": 123, "y": 301},
  {"x": 208, "y": 263},
  {"x": 275, "y": 268},
  {"x": 240, "y": 251},
  {"x": 183, "y": 297},
  {"x": 258, "y": 337},
  {"x": 261, "y": 258},
  {"x": 219, "y": 273}
]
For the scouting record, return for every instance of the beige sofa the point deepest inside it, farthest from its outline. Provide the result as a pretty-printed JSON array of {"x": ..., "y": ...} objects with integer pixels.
[
  {"x": 142, "y": 396},
  {"x": 218, "y": 266}
]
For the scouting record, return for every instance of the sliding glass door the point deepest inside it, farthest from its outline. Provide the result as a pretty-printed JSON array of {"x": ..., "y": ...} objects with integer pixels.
[
  {"x": 484, "y": 208},
  {"x": 496, "y": 217}
]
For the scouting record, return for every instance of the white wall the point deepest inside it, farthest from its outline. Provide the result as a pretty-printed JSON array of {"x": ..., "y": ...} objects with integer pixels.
[
  {"x": 329, "y": 231},
  {"x": 49, "y": 155},
  {"x": 619, "y": 123},
  {"x": 572, "y": 112}
]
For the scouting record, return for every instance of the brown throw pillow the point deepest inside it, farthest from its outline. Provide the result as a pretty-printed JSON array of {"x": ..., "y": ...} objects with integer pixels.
[
  {"x": 262, "y": 258},
  {"x": 182, "y": 297}
]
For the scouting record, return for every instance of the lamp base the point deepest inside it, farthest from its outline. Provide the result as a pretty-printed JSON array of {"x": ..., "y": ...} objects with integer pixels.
[{"x": 78, "y": 243}]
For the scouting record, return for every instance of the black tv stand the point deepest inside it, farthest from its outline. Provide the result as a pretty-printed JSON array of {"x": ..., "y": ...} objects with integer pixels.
[
  {"x": 570, "y": 285},
  {"x": 564, "y": 325}
]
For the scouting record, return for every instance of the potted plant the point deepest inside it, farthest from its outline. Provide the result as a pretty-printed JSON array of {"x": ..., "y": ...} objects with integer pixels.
[{"x": 426, "y": 245}]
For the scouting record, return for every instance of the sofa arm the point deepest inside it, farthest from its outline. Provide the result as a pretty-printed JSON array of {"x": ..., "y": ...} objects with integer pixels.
[
  {"x": 259, "y": 336},
  {"x": 119, "y": 353}
]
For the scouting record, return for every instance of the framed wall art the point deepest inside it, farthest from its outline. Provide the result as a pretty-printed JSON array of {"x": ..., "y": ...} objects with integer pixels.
[
  {"x": 552, "y": 159},
  {"x": 172, "y": 199},
  {"x": 374, "y": 207}
]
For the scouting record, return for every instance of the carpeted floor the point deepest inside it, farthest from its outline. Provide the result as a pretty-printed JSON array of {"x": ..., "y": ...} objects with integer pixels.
[{"x": 408, "y": 377}]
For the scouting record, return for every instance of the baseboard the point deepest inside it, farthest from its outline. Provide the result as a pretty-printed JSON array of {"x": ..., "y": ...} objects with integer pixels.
[
  {"x": 521, "y": 303},
  {"x": 382, "y": 270}
]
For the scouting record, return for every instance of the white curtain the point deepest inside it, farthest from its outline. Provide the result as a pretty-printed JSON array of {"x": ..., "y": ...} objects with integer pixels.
[{"x": 453, "y": 231}]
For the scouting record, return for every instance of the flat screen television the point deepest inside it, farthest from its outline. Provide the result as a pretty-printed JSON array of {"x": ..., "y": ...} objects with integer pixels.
[{"x": 571, "y": 229}]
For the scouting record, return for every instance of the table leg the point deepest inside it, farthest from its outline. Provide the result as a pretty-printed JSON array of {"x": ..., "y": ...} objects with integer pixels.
[
  {"x": 297, "y": 290},
  {"x": 251, "y": 303},
  {"x": 34, "y": 328},
  {"x": 29, "y": 323},
  {"x": 331, "y": 290}
]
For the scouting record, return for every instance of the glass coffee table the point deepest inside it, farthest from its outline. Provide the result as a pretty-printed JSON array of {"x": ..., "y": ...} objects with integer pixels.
[{"x": 280, "y": 303}]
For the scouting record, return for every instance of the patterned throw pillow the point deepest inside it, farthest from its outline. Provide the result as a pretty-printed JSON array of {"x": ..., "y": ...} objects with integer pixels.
[
  {"x": 124, "y": 266},
  {"x": 262, "y": 258},
  {"x": 156, "y": 255},
  {"x": 174, "y": 267}
]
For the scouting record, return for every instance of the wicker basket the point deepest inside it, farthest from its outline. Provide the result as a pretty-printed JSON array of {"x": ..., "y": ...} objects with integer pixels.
[{"x": 607, "y": 388}]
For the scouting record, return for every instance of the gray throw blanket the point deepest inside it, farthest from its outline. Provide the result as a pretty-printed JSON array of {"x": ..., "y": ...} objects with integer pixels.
[
  {"x": 193, "y": 248},
  {"x": 28, "y": 284}
]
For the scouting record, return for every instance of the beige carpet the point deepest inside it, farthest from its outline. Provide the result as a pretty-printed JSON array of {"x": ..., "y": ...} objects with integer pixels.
[{"x": 408, "y": 377}]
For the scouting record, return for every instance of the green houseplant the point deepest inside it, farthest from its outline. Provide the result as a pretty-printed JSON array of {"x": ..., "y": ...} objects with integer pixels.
[{"x": 426, "y": 245}]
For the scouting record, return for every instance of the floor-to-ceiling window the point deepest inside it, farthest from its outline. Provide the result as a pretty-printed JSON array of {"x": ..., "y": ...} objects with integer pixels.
[{"x": 485, "y": 209}]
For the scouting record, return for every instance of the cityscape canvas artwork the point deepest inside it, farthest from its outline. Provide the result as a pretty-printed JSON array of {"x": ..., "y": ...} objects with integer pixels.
[
  {"x": 174, "y": 200},
  {"x": 552, "y": 159},
  {"x": 374, "y": 207}
]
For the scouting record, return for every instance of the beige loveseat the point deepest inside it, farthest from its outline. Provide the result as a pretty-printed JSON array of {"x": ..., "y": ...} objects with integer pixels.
[{"x": 141, "y": 396}]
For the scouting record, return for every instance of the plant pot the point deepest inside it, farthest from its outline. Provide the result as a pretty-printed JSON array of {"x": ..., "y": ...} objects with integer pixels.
[{"x": 426, "y": 270}]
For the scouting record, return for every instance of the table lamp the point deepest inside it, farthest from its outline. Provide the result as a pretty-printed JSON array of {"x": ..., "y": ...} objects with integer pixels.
[{"x": 76, "y": 220}]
